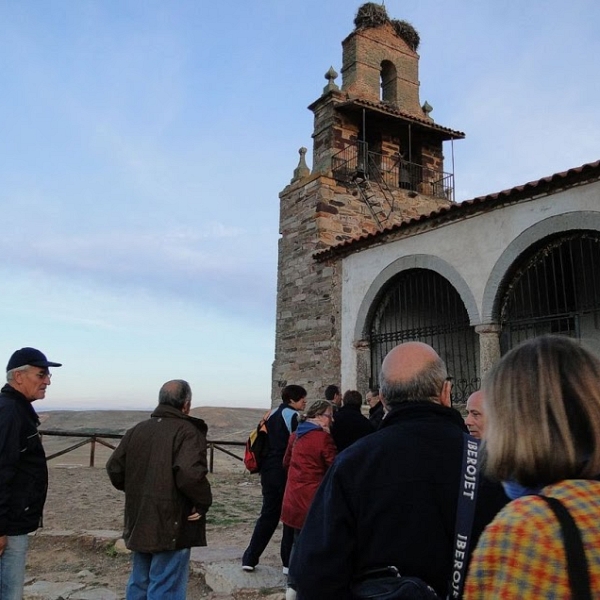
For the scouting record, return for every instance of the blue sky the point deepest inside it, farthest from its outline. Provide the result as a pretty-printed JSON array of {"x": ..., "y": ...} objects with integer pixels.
[{"x": 144, "y": 144}]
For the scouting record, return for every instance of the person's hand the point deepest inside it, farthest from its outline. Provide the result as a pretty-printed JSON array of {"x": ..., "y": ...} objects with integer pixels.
[
  {"x": 195, "y": 516},
  {"x": 3, "y": 542}
]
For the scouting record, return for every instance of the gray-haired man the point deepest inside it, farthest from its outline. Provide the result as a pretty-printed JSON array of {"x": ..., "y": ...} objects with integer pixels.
[
  {"x": 161, "y": 466},
  {"x": 23, "y": 470}
]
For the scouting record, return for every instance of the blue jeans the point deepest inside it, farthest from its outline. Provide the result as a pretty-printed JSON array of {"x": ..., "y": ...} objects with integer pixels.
[
  {"x": 158, "y": 576},
  {"x": 12, "y": 567}
]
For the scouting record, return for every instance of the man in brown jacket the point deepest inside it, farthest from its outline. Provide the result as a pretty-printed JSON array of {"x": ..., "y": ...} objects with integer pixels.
[{"x": 161, "y": 466}]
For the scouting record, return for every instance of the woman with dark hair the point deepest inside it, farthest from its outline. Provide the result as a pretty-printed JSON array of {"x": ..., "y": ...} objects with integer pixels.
[{"x": 542, "y": 404}]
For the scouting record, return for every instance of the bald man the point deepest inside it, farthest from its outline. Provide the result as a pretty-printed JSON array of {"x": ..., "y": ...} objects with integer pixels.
[
  {"x": 391, "y": 497},
  {"x": 475, "y": 419}
]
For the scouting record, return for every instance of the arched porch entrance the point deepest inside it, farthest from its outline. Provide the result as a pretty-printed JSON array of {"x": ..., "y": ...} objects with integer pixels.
[
  {"x": 554, "y": 288},
  {"x": 421, "y": 305}
]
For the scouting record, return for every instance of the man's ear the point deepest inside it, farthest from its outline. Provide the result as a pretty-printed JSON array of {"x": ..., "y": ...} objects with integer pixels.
[
  {"x": 383, "y": 401},
  {"x": 186, "y": 407},
  {"x": 445, "y": 394}
]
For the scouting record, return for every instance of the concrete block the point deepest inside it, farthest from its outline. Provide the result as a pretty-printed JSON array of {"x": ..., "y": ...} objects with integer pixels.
[
  {"x": 226, "y": 578},
  {"x": 211, "y": 554}
]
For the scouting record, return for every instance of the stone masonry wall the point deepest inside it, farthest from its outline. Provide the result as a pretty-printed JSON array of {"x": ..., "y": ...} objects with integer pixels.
[
  {"x": 363, "y": 54},
  {"x": 328, "y": 123},
  {"x": 308, "y": 299},
  {"x": 317, "y": 213},
  {"x": 341, "y": 214}
]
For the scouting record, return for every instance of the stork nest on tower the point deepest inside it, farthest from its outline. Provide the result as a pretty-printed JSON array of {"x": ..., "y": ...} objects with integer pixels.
[
  {"x": 372, "y": 14},
  {"x": 407, "y": 32}
]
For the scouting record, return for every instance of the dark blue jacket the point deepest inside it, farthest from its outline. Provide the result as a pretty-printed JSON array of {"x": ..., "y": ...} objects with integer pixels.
[
  {"x": 23, "y": 469},
  {"x": 389, "y": 499},
  {"x": 282, "y": 422},
  {"x": 376, "y": 414}
]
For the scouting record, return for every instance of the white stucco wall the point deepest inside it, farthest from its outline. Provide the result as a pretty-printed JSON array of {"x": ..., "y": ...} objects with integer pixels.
[{"x": 473, "y": 254}]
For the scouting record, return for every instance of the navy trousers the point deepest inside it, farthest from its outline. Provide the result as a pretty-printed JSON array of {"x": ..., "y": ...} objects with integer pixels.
[{"x": 273, "y": 486}]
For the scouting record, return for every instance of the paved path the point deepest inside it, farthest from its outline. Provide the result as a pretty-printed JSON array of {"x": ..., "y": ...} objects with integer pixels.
[{"x": 220, "y": 567}]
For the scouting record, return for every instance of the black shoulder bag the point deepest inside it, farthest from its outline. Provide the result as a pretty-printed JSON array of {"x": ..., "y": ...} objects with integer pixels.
[
  {"x": 388, "y": 583},
  {"x": 577, "y": 565}
]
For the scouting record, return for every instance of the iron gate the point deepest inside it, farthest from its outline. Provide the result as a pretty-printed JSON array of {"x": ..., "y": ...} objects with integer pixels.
[
  {"x": 421, "y": 305},
  {"x": 555, "y": 289}
]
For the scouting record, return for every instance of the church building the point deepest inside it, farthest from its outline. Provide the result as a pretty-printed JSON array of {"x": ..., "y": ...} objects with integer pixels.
[{"x": 374, "y": 250}]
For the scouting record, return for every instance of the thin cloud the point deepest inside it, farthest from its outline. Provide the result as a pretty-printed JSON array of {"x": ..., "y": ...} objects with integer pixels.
[{"x": 211, "y": 265}]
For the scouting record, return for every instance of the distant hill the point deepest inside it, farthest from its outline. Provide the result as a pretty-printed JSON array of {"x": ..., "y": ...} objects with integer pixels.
[{"x": 231, "y": 424}]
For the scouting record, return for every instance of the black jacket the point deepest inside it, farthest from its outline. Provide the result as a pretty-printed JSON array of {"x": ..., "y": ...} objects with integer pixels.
[
  {"x": 389, "y": 499},
  {"x": 349, "y": 425},
  {"x": 23, "y": 469},
  {"x": 376, "y": 414},
  {"x": 161, "y": 465}
]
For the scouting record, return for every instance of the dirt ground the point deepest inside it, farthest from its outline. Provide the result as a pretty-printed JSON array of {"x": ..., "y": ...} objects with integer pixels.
[{"x": 81, "y": 499}]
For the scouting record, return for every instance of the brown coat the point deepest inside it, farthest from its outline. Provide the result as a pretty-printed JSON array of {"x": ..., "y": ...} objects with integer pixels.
[{"x": 161, "y": 466}]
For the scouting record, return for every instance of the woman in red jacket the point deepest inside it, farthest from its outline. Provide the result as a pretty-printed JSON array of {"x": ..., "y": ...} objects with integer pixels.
[{"x": 309, "y": 453}]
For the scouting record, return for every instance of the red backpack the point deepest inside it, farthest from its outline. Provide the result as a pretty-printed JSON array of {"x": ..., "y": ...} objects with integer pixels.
[{"x": 257, "y": 445}]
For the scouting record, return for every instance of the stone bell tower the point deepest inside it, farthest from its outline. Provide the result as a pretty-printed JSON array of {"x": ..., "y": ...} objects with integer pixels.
[{"x": 377, "y": 160}]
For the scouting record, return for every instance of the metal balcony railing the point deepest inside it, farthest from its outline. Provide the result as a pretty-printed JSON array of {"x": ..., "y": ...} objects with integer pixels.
[{"x": 358, "y": 162}]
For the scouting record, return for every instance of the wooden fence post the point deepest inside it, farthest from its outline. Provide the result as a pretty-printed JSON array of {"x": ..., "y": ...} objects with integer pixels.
[{"x": 92, "y": 450}]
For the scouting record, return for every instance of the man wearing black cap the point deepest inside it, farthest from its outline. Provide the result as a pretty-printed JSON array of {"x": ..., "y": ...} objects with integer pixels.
[{"x": 23, "y": 471}]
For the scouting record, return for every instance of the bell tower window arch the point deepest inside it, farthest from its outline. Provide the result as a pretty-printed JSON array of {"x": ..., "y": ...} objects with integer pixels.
[{"x": 388, "y": 77}]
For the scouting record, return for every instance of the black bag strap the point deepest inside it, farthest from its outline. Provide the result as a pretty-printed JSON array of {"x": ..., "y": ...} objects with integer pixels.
[
  {"x": 577, "y": 565},
  {"x": 465, "y": 513}
]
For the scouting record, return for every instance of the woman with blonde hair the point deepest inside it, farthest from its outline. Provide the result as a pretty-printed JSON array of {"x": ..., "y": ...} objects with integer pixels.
[
  {"x": 309, "y": 454},
  {"x": 542, "y": 404}
]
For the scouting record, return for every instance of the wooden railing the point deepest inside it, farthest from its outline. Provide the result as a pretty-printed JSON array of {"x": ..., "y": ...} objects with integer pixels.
[{"x": 100, "y": 438}]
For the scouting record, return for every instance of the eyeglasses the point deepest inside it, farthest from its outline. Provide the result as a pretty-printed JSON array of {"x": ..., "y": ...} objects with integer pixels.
[
  {"x": 42, "y": 376},
  {"x": 328, "y": 415}
]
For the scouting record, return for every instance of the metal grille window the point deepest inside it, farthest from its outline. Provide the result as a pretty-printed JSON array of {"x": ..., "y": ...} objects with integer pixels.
[
  {"x": 555, "y": 289},
  {"x": 420, "y": 305}
]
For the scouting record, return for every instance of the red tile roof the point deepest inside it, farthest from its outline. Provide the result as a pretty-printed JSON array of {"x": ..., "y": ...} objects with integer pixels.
[{"x": 386, "y": 109}]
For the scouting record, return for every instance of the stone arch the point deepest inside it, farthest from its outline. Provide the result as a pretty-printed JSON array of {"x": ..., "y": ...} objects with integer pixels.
[
  {"x": 552, "y": 225},
  {"x": 415, "y": 261}
]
